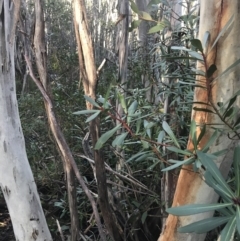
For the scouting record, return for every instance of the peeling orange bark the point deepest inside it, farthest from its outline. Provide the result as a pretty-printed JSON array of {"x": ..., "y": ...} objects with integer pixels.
[{"x": 190, "y": 187}]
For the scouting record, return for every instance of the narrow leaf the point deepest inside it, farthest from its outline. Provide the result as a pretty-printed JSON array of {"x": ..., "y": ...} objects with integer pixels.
[
  {"x": 157, "y": 28},
  {"x": 202, "y": 133},
  {"x": 84, "y": 112},
  {"x": 106, "y": 136},
  {"x": 167, "y": 128},
  {"x": 132, "y": 108},
  {"x": 91, "y": 101},
  {"x": 119, "y": 140},
  {"x": 204, "y": 226},
  {"x": 92, "y": 117},
  {"x": 161, "y": 135},
  {"x": 193, "y": 134},
  {"x": 212, "y": 168},
  {"x": 178, "y": 164},
  {"x": 229, "y": 113},
  {"x": 238, "y": 219},
  {"x": 206, "y": 38},
  {"x": 134, "y": 7},
  {"x": 196, "y": 208},
  {"x": 145, "y": 16},
  {"x": 221, "y": 191},
  {"x": 212, "y": 139},
  {"x": 123, "y": 102},
  {"x": 148, "y": 130},
  {"x": 231, "y": 102},
  {"x": 137, "y": 155},
  {"x": 177, "y": 150},
  {"x": 236, "y": 161},
  {"x": 228, "y": 232},
  {"x": 144, "y": 216}
]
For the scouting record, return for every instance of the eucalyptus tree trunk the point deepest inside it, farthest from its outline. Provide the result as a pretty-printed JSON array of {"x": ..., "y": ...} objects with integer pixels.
[
  {"x": 16, "y": 178},
  {"x": 191, "y": 189},
  {"x": 88, "y": 76}
]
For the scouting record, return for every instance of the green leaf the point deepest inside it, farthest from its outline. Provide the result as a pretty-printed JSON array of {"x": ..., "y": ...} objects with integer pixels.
[
  {"x": 206, "y": 38},
  {"x": 176, "y": 150},
  {"x": 145, "y": 16},
  {"x": 91, "y": 101},
  {"x": 84, "y": 112},
  {"x": 223, "y": 31},
  {"x": 144, "y": 216},
  {"x": 204, "y": 226},
  {"x": 197, "y": 44},
  {"x": 193, "y": 134},
  {"x": 178, "y": 164},
  {"x": 134, "y": 157},
  {"x": 123, "y": 102},
  {"x": 161, "y": 135},
  {"x": 145, "y": 144},
  {"x": 196, "y": 55},
  {"x": 228, "y": 232},
  {"x": 203, "y": 109},
  {"x": 119, "y": 139},
  {"x": 231, "y": 102},
  {"x": 202, "y": 133},
  {"x": 143, "y": 157},
  {"x": 221, "y": 191},
  {"x": 138, "y": 125},
  {"x": 211, "y": 70},
  {"x": 106, "y": 136},
  {"x": 237, "y": 121},
  {"x": 134, "y": 24},
  {"x": 236, "y": 161},
  {"x": 212, "y": 168},
  {"x": 157, "y": 28},
  {"x": 132, "y": 108},
  {"x": 104, "y": 101},
  {"x": 92, "y": 117},
  {"x": 238, "y": 219},
  {"x": 147, "y": 127},
  {"x": 212, "y": 139},
  {"x": 134, "y": 7},
  {"x": 228, "y": 113},
  {"x": 167, "y": 128},
  {"x": 220, "y": 153},
  {"x": 191, "y": 209}
]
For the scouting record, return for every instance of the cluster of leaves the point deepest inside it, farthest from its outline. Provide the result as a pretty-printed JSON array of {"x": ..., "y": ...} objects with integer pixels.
[{"x": 142, "y": 131}]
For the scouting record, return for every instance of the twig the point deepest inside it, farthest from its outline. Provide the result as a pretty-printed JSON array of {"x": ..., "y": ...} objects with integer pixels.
[
  {"x": 60, "y": 230},
  {"x": 108, "y": 168}
]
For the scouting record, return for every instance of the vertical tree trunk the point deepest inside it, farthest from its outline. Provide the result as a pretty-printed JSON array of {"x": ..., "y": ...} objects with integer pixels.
[
  {"x": 89, "y": 79},
  {"x": 190, "y": 187},
  {"x": 16, "y": 179}
]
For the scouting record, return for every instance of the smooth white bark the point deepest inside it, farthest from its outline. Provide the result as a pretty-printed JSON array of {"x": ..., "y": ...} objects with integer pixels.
[{"x": 16, "y": 179}]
